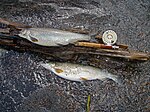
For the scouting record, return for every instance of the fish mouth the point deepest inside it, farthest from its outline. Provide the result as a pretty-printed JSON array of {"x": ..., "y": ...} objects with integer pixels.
[
  {"x": 22, "y": 33},
  {"x": 48, "y": 66}
]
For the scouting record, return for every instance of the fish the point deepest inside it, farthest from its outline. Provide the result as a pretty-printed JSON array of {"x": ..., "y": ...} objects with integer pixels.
[
  {"x": 78, "y": 72},
  {"x": 51, "y": 37}
]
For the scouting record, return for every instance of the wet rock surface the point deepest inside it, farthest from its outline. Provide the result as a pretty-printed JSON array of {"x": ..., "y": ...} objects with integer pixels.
[{"x": 25, "y": 86}]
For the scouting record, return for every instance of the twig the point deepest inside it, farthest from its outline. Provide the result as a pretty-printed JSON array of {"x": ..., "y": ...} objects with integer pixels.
[{"x": 88, "y": 104}]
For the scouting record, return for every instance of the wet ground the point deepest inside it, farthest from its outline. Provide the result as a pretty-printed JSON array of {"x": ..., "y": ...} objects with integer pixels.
[{"x": 25, "y": 86}]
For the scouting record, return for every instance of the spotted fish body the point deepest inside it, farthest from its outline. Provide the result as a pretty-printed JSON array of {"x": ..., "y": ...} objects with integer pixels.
[
  {"x": 51, "y": 37},
  {"x": 76, "y": 72}
]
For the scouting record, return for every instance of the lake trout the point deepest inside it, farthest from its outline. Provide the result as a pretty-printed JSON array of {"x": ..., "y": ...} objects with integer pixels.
[
  {"x": 77, "y": 72},
  {"x": 51, "y": 37}
]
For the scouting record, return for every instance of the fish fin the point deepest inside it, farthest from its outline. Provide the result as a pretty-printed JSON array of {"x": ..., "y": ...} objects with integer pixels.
[
  {"x": 116, "y": 78},
  {"x": 78, "y": 30},
  {"x": 33, "y": 39},
  {"x": 83, "y": 78},
  {"x": 58, "y": 70},
  {"x": 60, "y": 44}
]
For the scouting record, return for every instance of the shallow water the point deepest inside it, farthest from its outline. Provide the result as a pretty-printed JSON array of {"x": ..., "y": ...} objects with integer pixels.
[{"x": 26, "y": 86}]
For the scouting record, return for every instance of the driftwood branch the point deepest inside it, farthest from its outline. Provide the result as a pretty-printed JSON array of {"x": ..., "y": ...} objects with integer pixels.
[{"x": 69, "y": 50}]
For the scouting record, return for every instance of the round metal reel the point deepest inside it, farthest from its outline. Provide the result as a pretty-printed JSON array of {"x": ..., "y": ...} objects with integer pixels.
[{"x": 109, "y": 37}]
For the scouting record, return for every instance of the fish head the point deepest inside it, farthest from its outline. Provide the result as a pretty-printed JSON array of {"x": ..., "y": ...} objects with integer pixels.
[
  {"x": 52, "y": 67},
  {"x": 26, "y": 33},
  {"x": 48, "y": 66}
]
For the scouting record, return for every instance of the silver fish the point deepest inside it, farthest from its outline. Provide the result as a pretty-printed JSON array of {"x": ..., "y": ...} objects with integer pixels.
[
  {"x": 51, "y": 37},
  {"x": 77, "y": 72}
]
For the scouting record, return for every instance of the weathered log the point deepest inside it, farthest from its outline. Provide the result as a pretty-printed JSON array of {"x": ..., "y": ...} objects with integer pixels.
[{"x": 20, "y": 44}]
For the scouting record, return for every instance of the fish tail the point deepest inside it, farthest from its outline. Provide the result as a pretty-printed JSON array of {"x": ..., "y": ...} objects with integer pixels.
[{"x": 115, "y": 78}]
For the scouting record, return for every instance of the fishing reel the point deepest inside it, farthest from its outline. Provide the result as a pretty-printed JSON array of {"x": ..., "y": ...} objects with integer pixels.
[{"x": 109, "y": 37}]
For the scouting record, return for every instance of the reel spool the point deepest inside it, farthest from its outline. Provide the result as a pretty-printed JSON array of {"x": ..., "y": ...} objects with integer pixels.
[{"x": 109, "y": 37}]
